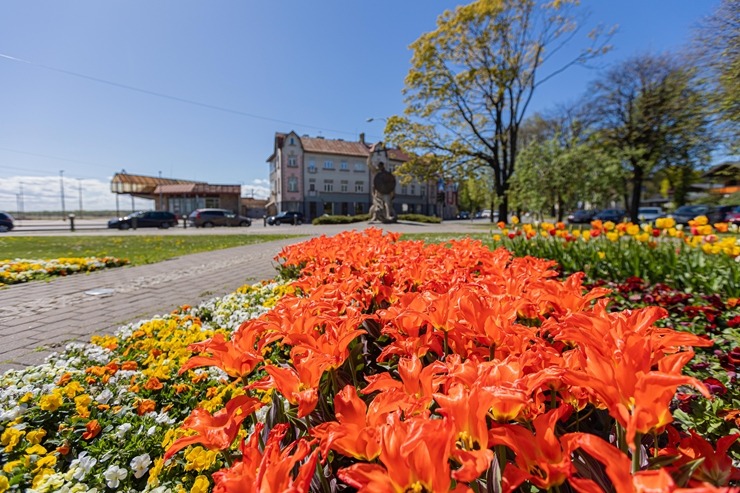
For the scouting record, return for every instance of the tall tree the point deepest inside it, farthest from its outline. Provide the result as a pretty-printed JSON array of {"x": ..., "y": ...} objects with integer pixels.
[
  {"x": 718, "y": 49},
  {"x": 652, "y": 115},
  {"x": 472, "y": 79}
]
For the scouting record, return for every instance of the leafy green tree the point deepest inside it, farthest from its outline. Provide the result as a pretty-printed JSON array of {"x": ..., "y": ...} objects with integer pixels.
[
  {"x": 471, "y": 81},
  {"x": 650, "y": 113},
  {"x": 718, "y": 48}
]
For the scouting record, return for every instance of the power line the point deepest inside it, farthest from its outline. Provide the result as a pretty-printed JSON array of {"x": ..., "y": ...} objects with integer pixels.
[{"x": 167, "y": 96}]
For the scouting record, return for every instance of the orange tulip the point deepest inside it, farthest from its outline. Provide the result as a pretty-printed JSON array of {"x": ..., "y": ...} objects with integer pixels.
[
  {"x": 467, "y": 409},
  {"x": 270, "y": 470},
  {"x": 414, "y": 456},
  {"x": 540, "y": 457},
  {"x": 237, "y": 358},
  {"x": 217, "y": 431},
  {"x": 357, "y": 430}
]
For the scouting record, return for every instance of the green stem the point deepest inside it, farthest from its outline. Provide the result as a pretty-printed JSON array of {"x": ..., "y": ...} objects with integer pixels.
[
  {"x": 637, "y": 453},
  {"x": 445, "y": 342},
  {"x": 621, "y": 439}
]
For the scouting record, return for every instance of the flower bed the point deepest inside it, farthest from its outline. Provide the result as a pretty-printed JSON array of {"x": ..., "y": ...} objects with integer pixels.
[
  {"x": 385, "y": 365},
  {"x": 24, "y": 270},
  {"x": 693, "y": 259}
]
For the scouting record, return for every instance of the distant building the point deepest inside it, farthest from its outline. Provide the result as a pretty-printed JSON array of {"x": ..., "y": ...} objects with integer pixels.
[
  {"x": 178, "y": 196},
  {"x": 317, "y": 176},
  {"x": 254, "y": 208}
]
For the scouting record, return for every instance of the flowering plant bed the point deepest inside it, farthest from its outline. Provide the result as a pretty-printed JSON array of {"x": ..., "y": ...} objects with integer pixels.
[
  {"x": 23, "y": 270},
  {"x": 384, "y": 365}
]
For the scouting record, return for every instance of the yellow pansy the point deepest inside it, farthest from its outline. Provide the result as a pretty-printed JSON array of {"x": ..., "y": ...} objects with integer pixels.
[
  {"x": 4, "y": 484},
  {"x": 34, "y": 437},
  {"x": 199, "y": 459},
  {"x": 36, "y": 450},
  {"x": 155, "y": 471},
  {"x": 612, "y": 236},
  {"x": 633, "y": 230},
  {"x": 609, "y": 226},
  {"x": 50, "y": 402},
  {"x": 12, "y": 465},
  {"x": 10, "y": 438},
  {"x": 601, "y": 255},
  {"x": 47, "y": 462},
  {"x": 72, "y": 389},
  {"x": 586, "y": 235},
  {"x": 201, "y": 485}
]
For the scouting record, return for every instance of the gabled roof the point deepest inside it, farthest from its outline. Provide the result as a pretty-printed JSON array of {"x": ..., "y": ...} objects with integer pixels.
[{"x": 330, "y": 146}]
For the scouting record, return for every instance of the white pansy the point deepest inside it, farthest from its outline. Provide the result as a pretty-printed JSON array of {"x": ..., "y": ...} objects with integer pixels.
[
  {"x": 82, "y": 465},
  {"x": 105, "y": 396},
  {"x": 140, "y": 465},
  {"x": 121, "y": 430},
  {"x": 114, "y": 475}
]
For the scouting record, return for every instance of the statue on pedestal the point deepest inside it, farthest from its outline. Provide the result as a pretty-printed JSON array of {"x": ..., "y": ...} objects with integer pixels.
[{"x": 384, "y": 185}]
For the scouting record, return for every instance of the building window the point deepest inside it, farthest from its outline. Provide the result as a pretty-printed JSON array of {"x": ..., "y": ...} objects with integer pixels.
[
  {"x": 404, "y": 190},
  {"x": 359, "y": 186},
  {"x": 312, "y": 166},
  {"x": 292, "y": 162},
  {"x": 328, "y": 185},
  {"x": 413, "y": 189},
  {"x": 343, "y": 166},
  {"x": 343, "y": 185},
  {"x": 359, "y": 167},
  {"x": 312, "y": 184},
  {"x": 212, "y": 202},
  {"x": 292, "y": 141},
  {"x": 328, "y": 164},
  {"x": 293, "y": 184}
]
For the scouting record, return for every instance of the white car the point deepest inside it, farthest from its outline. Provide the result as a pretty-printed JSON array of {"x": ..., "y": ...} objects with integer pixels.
[{"x": 649, "y": 214}]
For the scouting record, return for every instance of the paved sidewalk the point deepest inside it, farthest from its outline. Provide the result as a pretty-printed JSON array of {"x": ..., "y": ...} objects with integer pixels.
[{"x": 39, "y": 318}]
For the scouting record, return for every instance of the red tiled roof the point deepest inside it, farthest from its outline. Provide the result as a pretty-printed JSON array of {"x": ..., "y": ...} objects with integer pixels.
[
  {"x": 327, "y": 146},
  {"x": 398, "y": 155}
]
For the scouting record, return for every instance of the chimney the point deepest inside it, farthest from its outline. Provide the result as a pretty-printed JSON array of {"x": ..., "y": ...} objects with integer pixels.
[{"x": 362, "y": 137}]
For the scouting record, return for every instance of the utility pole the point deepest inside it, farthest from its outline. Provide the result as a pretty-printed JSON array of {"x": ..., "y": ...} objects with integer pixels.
[
  {"x": 161, "y": 206},
  {"x": 61, "y": 189},
  {"x": 80, "y": 189},
  {"x": 20, "y": 211}
]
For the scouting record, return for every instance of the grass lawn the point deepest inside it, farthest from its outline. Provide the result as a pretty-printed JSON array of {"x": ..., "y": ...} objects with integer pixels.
[{"x": 144, "y": 249}]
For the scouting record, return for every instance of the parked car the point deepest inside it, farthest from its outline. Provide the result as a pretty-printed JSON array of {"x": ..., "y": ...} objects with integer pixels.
[
  {"x": 649, "y": 214},
  {"x": 686, "y": 213},
  {"x": 582, "y": 216},
  {"x": 734, "y": 215},
  {"x": 613, "y": 215},
  {"x": 723, "y": 212},
  {"x": 463, "y": 215},
  {"x": 144, "y": 219},
  {"x": 286, "y": 217},
  {"x": 6, "y": 222},
  {"x": 208, "y": 218}
]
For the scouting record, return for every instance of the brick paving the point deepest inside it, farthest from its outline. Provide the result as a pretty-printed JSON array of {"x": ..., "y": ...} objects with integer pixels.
[{"x": 38, "y": 318}]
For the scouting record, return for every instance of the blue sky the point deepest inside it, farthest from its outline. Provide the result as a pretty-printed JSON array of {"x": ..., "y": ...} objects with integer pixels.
[{"x": 234, "y": 72}]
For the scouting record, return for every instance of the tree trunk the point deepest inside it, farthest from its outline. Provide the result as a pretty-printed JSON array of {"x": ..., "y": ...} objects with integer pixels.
[{"x": 636, "y": 192}]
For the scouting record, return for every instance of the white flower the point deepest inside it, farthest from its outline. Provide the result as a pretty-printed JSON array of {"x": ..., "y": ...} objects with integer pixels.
[
  {"x": 105, "y": 396},
  {"x": 82, "y": 465},
  {"x": 113, "y": 475},
  {"x": 140, "y": 465},
  {"x": 123, "y": 429},
  {"x": 152, "y": 430}
]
